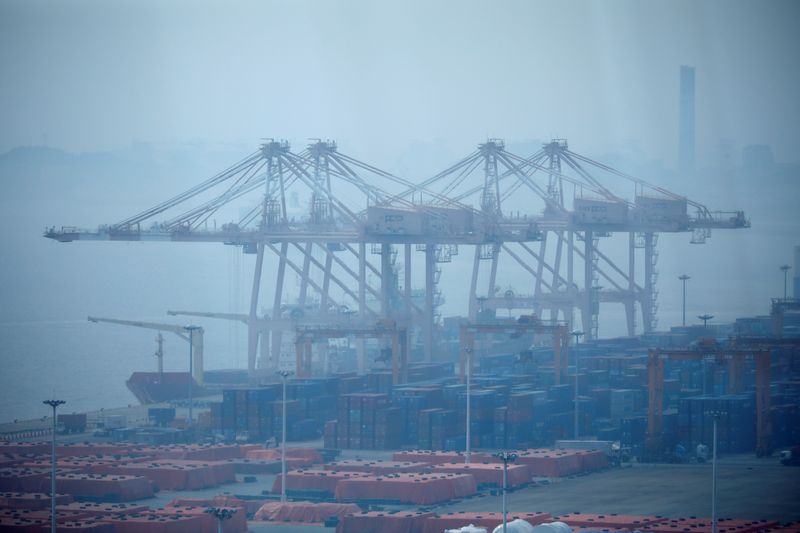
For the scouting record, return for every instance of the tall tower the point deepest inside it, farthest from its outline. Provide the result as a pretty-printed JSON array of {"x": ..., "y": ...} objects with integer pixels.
[
  {"x": 796, "y": 278},
  {"x": 686, "y": 124}
]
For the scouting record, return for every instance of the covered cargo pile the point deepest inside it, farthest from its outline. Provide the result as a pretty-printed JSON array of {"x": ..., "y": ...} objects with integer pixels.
[
  {"x": 489, "y": 473},
  {"x": 159, "y": 523},
  {"x": 31, "y": 500},
  {"x": 304, "y": 512},
  {"x": 314, "y": 482},
  {"x": 487, "y": 520},
  {"x": 237, "y": 523},
  {"x": 609, "y": 521},
  {"x": 30, "y": 525},
  {"x": 177, "y": 475},
  {"x": 419, "y": 489},
  {"x": 295, "y": 457},
  {"x": 104, "y": 487},
  {"x": 378, "y": 466},
  {"x": 541, "y": 462},
  {"x": 102, "y": 508},
  {"x": 703, "y": 525},
  {"x": 372, "y": 521}
]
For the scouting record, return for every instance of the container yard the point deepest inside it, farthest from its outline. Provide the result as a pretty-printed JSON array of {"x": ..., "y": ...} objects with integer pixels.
[
  {"x": 400, "y": 419},
  {"x": 366, "y": 454},
  {"x": 405, "y": 267}
]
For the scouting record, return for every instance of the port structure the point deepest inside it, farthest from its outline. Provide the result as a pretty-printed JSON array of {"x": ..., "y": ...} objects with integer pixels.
[
  {"x": 396, "y": 353},
  {"x": 523, "y": 203},
  {"x": 778, "y": 310},
  {"x": 196, "y": 341},
  {"x": 734, "y": 356},
  {"x": 576, "y": 209},
  {"x": 523, "y": 326}
]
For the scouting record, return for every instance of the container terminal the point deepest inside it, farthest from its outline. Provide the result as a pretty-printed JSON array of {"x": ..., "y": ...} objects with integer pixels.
[{"x": 401, "y": 419}]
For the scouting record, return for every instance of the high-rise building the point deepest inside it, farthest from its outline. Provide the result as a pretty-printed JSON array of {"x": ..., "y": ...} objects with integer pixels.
[
  {"x": 796, "y": 277},
  {"x": 686, "y": 120}
]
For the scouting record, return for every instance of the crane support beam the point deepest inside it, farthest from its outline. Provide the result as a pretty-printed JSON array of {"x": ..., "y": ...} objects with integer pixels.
[
  {"x": 732, "y": 357},
  {"x": 525, "y": 325},
  {"x": 398, "y": 338}
]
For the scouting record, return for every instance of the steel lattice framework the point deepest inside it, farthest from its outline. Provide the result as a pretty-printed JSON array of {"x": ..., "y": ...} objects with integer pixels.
[{"x": 544, "y": 214}]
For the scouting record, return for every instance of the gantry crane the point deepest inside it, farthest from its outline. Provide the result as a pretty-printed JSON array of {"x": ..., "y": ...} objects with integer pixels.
[
  {"x": 708, "y": 349},
  {"x": 351, "y": 213},
  {"x": 507, "y": 182},
  {"x": 305, "y": 336},
  {"x": 525, "y": 324},
  {"x": 778, "y": 309},
  {"x": 180, "y": 331}
]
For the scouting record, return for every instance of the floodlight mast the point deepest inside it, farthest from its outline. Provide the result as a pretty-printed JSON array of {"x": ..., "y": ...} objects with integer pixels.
[
  {"x": 684, "y": 278},
  {"x": 54, "y": 404},
  {"x": 284, "y": 374}
]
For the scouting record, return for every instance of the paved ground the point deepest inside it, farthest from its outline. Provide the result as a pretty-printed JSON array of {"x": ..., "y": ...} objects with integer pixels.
[{"x": 746, "y": 487}]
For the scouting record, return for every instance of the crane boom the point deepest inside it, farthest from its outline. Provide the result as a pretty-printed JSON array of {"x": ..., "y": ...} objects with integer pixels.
[
  {"x": 180, "y": 331},
  {"x": 205, "y": 314}
]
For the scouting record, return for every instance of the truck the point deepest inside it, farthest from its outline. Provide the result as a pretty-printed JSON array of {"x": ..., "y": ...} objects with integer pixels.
[{"x": 790, "y": 457}]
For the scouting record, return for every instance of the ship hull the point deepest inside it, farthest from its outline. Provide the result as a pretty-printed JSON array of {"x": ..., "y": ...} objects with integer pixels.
[{"x": 152, "y": 387}]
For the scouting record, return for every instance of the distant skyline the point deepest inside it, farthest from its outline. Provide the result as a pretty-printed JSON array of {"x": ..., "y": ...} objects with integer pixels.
[{"x": 92, "y": 75}]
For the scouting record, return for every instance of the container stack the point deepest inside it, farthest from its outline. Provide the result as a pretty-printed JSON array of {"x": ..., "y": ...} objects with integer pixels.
[
  {"x": 736, "y": 424},
  {"x": 437, "y": 427}
]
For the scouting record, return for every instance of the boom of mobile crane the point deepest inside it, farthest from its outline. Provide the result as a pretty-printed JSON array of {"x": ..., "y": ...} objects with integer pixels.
[
  {"x": 205, "y": 314},
  {"x": 180, "y": 331}
]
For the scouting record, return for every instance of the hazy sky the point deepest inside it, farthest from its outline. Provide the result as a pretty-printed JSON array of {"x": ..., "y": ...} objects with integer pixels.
[{"x": 94, "y": 75}]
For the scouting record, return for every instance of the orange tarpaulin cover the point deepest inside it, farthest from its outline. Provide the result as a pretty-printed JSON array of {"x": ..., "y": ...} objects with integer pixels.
[
  {"x": 177, "y": 475},
  {"x": 31, "y": 500},
  {"x": 109, "y": 487},
  {"x": 420, "y": 489},
  {"x": 378, "y": 467},
  {"x": 550, "y": 463},
  {"x": 303, "y": 511},
  {"x": 155, "y": 523},
  {"x": 373, "y": 521},
  {"x": 315, "y": 480},
  {"x": 438, "y": 457},
  {"x": 237, "y": 523},
  {"x": 489, "y": 473},
  {"x": 295, "y": 457},
  {"x": 485, "y": 520}
]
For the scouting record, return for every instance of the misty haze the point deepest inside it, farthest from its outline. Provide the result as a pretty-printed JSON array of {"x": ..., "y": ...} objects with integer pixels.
[{"x": 458, "y": 227}]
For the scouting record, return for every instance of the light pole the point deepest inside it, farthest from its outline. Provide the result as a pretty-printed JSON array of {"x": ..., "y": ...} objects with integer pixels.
[
  {"x": 577, "y": 334},
  {"x": 715, "y": 415},
  {"x": 221, "y": 514},
  {"x": 54, "y": 404},
  {"x": 683, "y": 278},
  {"x": 191, "y": 329},
  {"x": 705, "y": 318},
  {"x": 468, "y": 351},
  {"x": 785, "y": 269},
  {"x": 284, "y": 374},
  {"x": 506, "y": 457}
]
